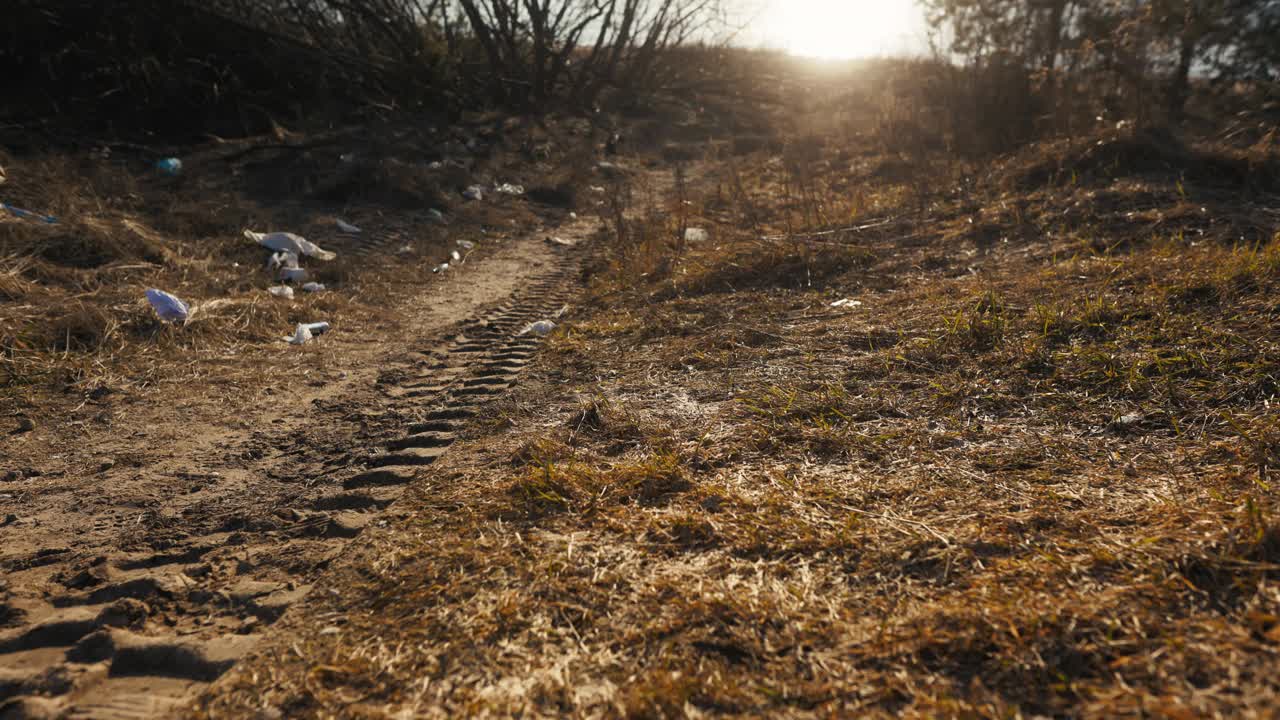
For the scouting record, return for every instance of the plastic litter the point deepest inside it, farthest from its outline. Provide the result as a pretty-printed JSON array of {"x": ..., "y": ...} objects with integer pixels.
[
  {"x": 455, "y": 256},
  {"x": 28, "y": 215},
  {"x": 561, "y": 241},
  {"x": 440, "y": 268},
  {"x": 293, "y": 275},
  {"x": 542, "y": 327},
  {"x": 573, "y": 215},
  {"x": 475, "y": 192},
  {"x": 437, "y": 217},
  {"x": 313, "y": 287},
  {"x": 846, "y": 302},
  {"x": 168, "y": 307},
  {"x": 282, "y": 260},
  {"x": 597, "y": 189},
  {"x": 289, "y": 242},
  {"x": 696, "y": 235},
  {"x": 466, "y": 244},
  {"x": 281, "y": 291},
  {"x": 169, "y": 166},
  {"x": 306, "y": 331},
  {"x": 435, "y": 165},
  {"x": 347, "y": 227},
  {"x": 405, "y": 249},
  {"x": 509, "y": 189}
]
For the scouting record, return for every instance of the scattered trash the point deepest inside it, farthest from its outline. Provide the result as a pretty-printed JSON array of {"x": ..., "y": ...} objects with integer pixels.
[
  {"x": 455, "y": 256},
  {"x": 1126, "y": 422},
  {"x": 475, "y": 192},
  {"x": 347, "y": 227},
  {"x": 561, "y": 241},
  {"x": 846, "y": 302},
  {"x": 281, "y": 291},
  {"x": 437, "y": 217},
  {"x": 28, "y": 215},
  {"x": 306, "y": 331},
  {"x": 313, "y": 287},
  {"x": 282, "y": 260},
  {"x": 435, "y": 165},
  {"x": 696, "y": 235},
  {"x": 293, "y": 275},
  {"x": 169, "y": 166},
  {"x": 466, "y": 244},
  {"x": 440, "y": 268},
  {"x": 509, "y": 189},
  {"x": 404, "y": 250},
  {"x": 542, "y": 327},
  {"x": 597, "y": 189},
  {"x": 167, "y": 307},
  {"x": 573, "y": 215},
  {"x": 289, "y": 242}
]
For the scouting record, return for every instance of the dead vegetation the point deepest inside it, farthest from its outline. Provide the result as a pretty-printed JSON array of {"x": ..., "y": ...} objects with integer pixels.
[{"x": 1029, "y": 472}]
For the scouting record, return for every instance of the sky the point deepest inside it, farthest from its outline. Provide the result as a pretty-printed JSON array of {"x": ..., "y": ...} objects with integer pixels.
[{"x": 837, "y": 29}]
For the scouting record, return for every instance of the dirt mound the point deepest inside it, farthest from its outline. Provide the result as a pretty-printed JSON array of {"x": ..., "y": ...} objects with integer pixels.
[{"x": 1145, "y": 152}]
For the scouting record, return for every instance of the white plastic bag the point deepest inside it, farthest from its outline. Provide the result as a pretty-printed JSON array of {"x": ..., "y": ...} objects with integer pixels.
[
  {"x": 168, "y": 307},
  {"x": 281, "y": 291},
  {"x": 289, "y": 242},
  {"x": 542, "y": 327}
]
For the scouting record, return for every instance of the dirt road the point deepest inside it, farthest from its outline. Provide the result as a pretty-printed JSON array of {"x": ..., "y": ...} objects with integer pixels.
[{"x": 145, "y": 550}]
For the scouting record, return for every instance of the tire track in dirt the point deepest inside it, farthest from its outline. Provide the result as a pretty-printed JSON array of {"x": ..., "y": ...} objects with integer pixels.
[{"x": 137, "y": 634}]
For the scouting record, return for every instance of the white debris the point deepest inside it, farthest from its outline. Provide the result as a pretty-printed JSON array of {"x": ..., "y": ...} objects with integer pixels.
[
  {"x": 466, "y": 244},
  {"x": 437, "y": 217},
  {"x": 289, "y": 242},
  {"x": 474, "y": 192},
  {"x": 696, "y": 235},
  {"x": 455, "y": 256},
  {"x": 554, "y": 240},
  {"x": 313, "y": 287},
  {"x": 509, "y": 189},
  {"x": 597, "y": 189},
  {"x": 347, "y": 227},
  {"x": 435, "y": 165},
  {"x": 167, "y": 307},
  {"x": 573, "y": 215},
  {"x": 293, "y": 275},
  {"x": 846, "y": 302},
  {"x": 306, "y": 331},
  {"x": 281, "y": 291},
  {"x": 405, "y": 249},
  {"x": 282, "y": 259},
  {"x": 542, "y": 327},
  {"x": 440, "y": 268}
]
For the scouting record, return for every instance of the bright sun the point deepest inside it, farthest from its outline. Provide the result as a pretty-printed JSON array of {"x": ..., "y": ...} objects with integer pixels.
[{"x": 842, "y": 28}]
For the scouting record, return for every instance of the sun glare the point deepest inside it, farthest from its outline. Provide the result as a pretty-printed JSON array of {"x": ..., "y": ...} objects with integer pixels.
[{"x": 841, "y": 29}]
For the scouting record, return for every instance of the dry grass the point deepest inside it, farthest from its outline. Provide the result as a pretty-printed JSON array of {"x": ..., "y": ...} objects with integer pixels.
[{"x": 1033, "y": 473}]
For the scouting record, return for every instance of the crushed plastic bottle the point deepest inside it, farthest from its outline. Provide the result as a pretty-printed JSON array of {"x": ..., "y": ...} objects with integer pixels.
[
  {"x": 306, "y": 331},
  {"x": 168, "y": 307},
  {"x": 440, "y": 268},
  {"x": 169, "y": 166}
]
